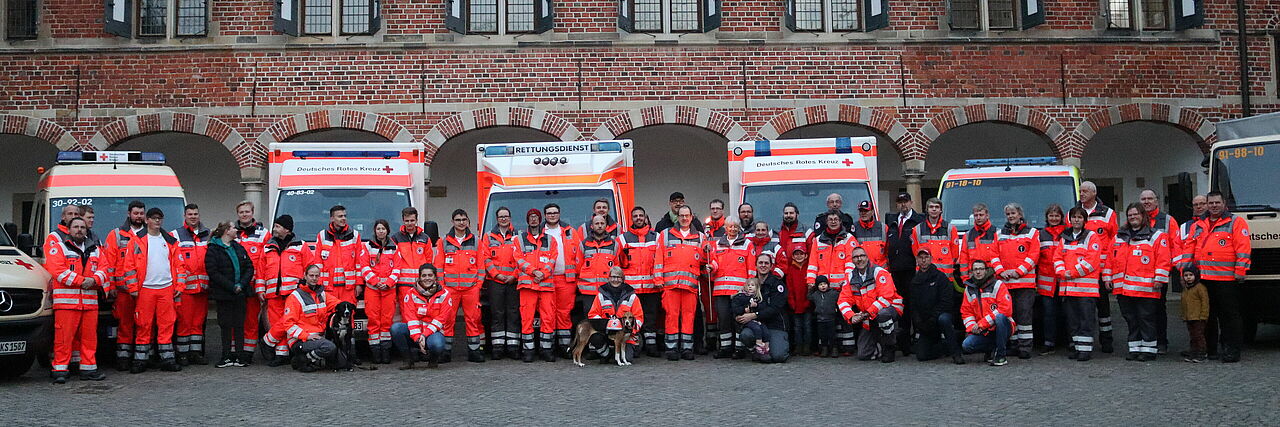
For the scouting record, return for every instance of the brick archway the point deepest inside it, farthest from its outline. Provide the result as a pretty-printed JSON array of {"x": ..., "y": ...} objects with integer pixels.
[
  {"x": 43, "y": 129},
  {"x": 843, "y": 113},
  {"x": 671, "y": 114},
  {"x": 1033, "y": 119},
  {"x": 1189, "y": 120},
  {"x": 123, "y": 128},
  {"x": 457, "y": 124}
]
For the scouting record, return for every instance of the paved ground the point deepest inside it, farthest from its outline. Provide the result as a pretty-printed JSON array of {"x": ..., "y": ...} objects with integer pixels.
[{"x": 1044, "y": 390}]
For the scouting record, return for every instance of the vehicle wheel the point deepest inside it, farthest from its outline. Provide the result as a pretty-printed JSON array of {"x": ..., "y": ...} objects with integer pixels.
[
  {"x": 1248, "y": 330},
  {"x": 14, "y": 366}
]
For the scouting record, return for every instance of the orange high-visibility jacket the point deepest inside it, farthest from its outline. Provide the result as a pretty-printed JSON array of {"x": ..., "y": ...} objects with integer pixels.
[
  {"x": 942, "y": 240},
  {"x": 426, "y": 315},
  {"x": 1078, "y": 263},
  {"x": 1018, "y": 248},
  {"x": 306, "y": 312},
  {"x": 598, "y": 256},
  {"x": 828, "y": 256},
  {"x": 338, "y": 253},
  {"x": 616, "y": 304},
  {"x": 498, "y": 252},
  {"x": 1140, "y": 260},
  {"x": 253, "y": 238},
  {"x": 869, "y": 291},
  {"x": 639, "y": 252},
  {"x": 1221, "y": 248},
  {"x": 977, "y": 244},
  {"x": 681, "y": 256},
  {"x": 458, "y": 260},
  {"x": 192, "y": 245},
  {"x": 69, "y": 264},
  {"x": 982, "y": 303},
  {"x": 871, "y": 237},
  {"x": 415, "y": 249},
  {"x": 732, "y": 262},
  {"x": 381, "y": 264},
  {"x": 285, "y": 263},
  {"x": 1046, "y": 277},
  {"x": 135, "y": 262},
  {"x": 537, "y": 252}
]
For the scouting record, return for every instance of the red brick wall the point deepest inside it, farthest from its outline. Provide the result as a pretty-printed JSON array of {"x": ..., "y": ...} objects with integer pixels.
[
  {"x": 242, "y": 17},
  {"x": 586, "y": 16},
  {"x": 73, "y": 18}
]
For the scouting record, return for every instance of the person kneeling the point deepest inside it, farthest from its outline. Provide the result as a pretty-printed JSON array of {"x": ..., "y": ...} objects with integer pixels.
[
  {"x": 305, "y": 316},
  {"x": 424, "y": 309},
  {"x": 616, "y": 310},
  {"x": 986, "y": 308}
]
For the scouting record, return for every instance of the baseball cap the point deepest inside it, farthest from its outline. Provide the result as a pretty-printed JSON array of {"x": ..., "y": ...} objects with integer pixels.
[
  {"x": 865, "y": 205},
  {"x": 675, "y": 196},
  {"x": 922, "y": 252},
  {"x": 904, "y": 197}
]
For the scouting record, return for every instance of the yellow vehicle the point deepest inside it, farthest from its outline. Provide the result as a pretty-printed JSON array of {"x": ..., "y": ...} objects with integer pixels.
[
  {"x": 1033, "y": 182},
  {"x": 1243, "y": 167}
]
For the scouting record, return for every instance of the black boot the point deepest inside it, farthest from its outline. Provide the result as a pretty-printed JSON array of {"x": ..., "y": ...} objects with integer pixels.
[
  {"x": 887, "y": 353},
  {"x": 433, "y": 360},
  {"x": 170, "y": 365},
  {"x": 196, "y": 358},
  {"x": 498, "y": 352},
  {"x": 687, "y": 354},
  {"x": 60, "y": 378},
  {"x": 138, "y": 367},
  {"x": 724, "y": 352},
  {"x": 1084, "y": 356},
  {"x": 527, "y": 355},
  {"x": 548, "y": 355},
  {"x": 182, "y": 359},
  {"x": 93, "y": 375},
  {"x": 475, "y": 356}
]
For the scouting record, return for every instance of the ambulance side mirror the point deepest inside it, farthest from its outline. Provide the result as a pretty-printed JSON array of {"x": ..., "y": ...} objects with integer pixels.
[
  {"x": 432, "y": 229},
  {"x": 27, "y": 244}
]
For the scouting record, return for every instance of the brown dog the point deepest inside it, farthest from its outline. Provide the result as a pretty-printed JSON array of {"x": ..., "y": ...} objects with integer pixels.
[{"x": 619, "y": 339}]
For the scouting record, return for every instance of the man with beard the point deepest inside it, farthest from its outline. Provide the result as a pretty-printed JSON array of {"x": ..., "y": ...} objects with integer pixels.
[{"x": 113, "y": 257}]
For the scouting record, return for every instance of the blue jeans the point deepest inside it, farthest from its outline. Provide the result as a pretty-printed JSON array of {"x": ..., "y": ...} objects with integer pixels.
[
  {"x": 779, "y": 348},
  {"x": 800, "y": 330},
  {"x": 406, "y": 346},
  {"x": 993, "y": 341}
]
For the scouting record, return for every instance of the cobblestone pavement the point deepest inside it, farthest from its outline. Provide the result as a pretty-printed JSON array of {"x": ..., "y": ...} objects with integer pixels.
[{"x": 1044, "y": 390}]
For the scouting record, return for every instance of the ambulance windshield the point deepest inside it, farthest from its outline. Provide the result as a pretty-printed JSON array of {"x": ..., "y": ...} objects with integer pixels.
[
  {"x": 1033, "y": 193},
  {"x": 575, "y": 205},
  {"x": 310, "y": 208},
  {"x": 1247, "y": 176},
  {"x": 110, "y": 212},
  {"x": 767, "y": 200}
]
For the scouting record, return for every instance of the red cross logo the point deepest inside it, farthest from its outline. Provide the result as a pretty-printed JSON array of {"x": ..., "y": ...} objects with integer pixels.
[
  {"x": 388, "y": 169},
  {"x": 847, "y": 162},
  {"x": 103, "y": 156},
  {"x": 24, "y": 264}
]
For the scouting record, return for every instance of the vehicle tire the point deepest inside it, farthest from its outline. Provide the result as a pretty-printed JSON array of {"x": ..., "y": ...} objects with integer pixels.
[
  {"x": 1248, "y": 330},
  {"x": 14, "y": 366}
]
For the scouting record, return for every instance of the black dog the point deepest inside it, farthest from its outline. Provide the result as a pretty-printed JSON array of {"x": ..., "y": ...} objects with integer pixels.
[{"x": 341, "y": 331}]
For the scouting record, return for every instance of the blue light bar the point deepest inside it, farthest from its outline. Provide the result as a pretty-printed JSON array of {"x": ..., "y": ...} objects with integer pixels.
[
  {"x": 607, "y": 147},
  {"x": 1014, "y": 161},
  {"x": 348, "y": 154},
  {"x": 110, "y": 157},
  {"x": 844, "y": 145},
  {"x": 762, "y": 148}
]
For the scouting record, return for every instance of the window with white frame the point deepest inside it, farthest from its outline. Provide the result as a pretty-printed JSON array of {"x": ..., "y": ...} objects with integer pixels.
[
  {"x": 157, "y": 18},
  {"x": 827, "y": 15},
  {"x": 1140, "y": 14},
  {"x": 667, "y": 16},
  {"x": 20, "y": 22},
  {"x": 338, "y": 17}
]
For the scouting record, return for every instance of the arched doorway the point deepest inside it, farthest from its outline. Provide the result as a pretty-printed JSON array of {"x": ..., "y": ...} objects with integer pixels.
[
  {"x": 1125, "y": 158},
  {"x": 676, "y": 157},
  {"x": 988, "y": 140},
  {"x": 18, "y": 170},
  {"x": 888, "y": 159},
  {"x": 209, "y": 173},
  {"x": 453, "y": 170}
]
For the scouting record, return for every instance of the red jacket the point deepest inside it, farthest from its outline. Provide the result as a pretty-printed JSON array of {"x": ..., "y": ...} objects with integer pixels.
[
  {"x": 681, "y": 256},
  {"x": 381, "y": 264},
  {"x": 1080, "y": 257},
  {"x": 1221, "y": 248},
  {"x": 829, "y": 256},
  {"x": 305, "y": 313},
  {"x": 426, "y": 315},
  {"x": 415, "y": 249},
  {"x": 135, "y": 262},
  {"x": 498, "y": 250},
  {"x": 639, "y": 251},
  {"x": 571, "y": 244},
  {"x": 338, "y": 253},
  {"x": 732, "y": 262},
  {"x": 598, "y": 256},
  {"x": 870, "y": 294},
  {"x": 192, "y": 245},
  {"x": 458, "y": 260},
  {"x": 977, "y": 244},
  {"x": 1102, "y": 220},
  {"x": 70, "y": 265},
  {"x": 1140, "y": 260},
  {"x": 982, "y": 304},
  {"x": 1164, "y": 222},
  {"x": 871, "y": 237},
  {"x": 536, "y": 252},
  {"x": 286, "y": 263},
  {"x": 1018, "y": 249},
  {"x": 113, "y": 251},
  {"x": 253, "y": 238},
  {"x": 1046, "y": 276},
  {"x": 617, "y": 303},
  {"x": 941, "y": 240}
]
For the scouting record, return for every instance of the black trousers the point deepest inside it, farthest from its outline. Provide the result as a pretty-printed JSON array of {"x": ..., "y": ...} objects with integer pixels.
[
  {"x": 504, "y": 314},
  {"x": 1225, "y": 325},
  {"x": 902, "y": 280},
  {"x": 1104, "y": 316},
  {"x": 231, "y": 321},
  {"x": 651, "y": 305},
  {"x": 827, "y": 333},
  {"x": 1082, "y": 316},
  {"x": 726, "y": 326},
  {"x": 1140, "y": 317}
]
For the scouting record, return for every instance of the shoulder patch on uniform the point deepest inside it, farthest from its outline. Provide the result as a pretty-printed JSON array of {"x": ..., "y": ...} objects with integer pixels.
[
  {"x": 883, "y": 279},
  {"x": 53, "y": 250},
  {"x": 782, "y": 288}
]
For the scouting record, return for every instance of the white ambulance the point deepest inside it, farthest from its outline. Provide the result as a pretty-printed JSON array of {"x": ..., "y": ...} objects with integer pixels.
[
  {"x": 768, "y": 174},
  {"x": 1033, "y": 182},
  {"x": 26, "y": 313},
  {"x": 1242, "y": 165},
  {"x": 571, "y": 174},
  {"x": 372, "y": 180}
]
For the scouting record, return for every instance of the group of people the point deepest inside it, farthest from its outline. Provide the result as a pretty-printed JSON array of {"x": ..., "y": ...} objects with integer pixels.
[{"x": 845, "y": 286}]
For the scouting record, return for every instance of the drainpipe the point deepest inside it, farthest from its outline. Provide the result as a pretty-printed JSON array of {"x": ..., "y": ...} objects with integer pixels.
[{"x": 1243, "y": 48}]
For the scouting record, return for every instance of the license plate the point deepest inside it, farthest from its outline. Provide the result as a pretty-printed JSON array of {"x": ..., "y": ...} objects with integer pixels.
[
  {"x": 13, "y": 347},
  {"x": 360, "y": 324}
]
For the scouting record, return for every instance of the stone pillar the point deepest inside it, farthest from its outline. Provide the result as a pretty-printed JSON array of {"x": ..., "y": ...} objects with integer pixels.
[
  {"x": 913, "y": 172},
  {"x": 254, "y": 185}
]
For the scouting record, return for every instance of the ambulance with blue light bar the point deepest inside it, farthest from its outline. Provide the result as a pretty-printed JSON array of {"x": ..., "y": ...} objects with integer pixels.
[
  {"x": 768, "y": 174},
  {"x": 1033, "y": 182},
  {"x": 574, "y": 174},
  {"x": 372, "y": 180}
]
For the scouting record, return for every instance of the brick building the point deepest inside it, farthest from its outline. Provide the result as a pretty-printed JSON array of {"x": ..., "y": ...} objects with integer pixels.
[{"x": 1127, "y": 89}]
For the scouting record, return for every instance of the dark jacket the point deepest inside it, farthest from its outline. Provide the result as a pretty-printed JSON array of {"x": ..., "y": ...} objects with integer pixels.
[
  {"x": 771, "y": 309},
  {"x": 898, "y": 246},
  {"x": 820, "y": 222},
  {"x": 932, "y": 294},
  {"x": 825, "y": 304},
  {"x": 669, "y": 221},
  {"x": 739, "y": 303},
  {"x": 222, "y": 280}
]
